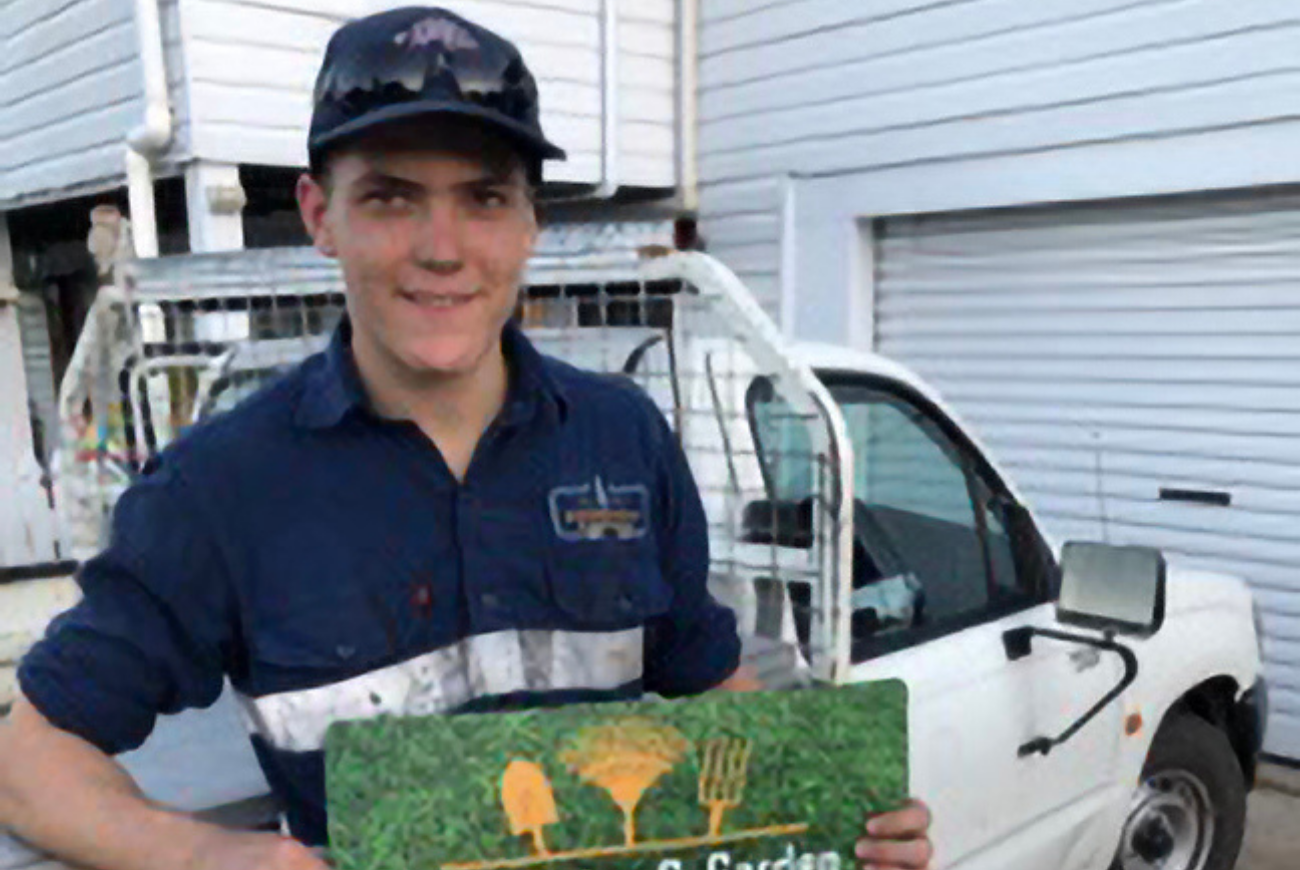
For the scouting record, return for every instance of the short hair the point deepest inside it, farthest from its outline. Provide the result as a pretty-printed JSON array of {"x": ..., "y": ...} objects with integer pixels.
[{"x": 416, "y": 131}]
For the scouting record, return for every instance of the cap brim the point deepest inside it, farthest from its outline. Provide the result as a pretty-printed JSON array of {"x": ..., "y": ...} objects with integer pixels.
[{"x": 526, "y": 138}]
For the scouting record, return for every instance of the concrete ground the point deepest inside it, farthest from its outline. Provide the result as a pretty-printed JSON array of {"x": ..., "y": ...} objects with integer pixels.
[{"x": 1273, "y": 822}]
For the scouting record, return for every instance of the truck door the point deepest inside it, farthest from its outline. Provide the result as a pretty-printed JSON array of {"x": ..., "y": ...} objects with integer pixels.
[{"x": 941, "y": 572}]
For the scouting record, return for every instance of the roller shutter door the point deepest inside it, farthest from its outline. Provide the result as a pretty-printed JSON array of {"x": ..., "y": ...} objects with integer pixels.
[{"x": 1108, "y": 354}]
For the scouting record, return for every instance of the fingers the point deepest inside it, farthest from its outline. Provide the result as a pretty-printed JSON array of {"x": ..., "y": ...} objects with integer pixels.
[
  {"x": 895, "y": 855},
  {"x": 898, "y": 840},
  {"x": 908, "y": 823}
]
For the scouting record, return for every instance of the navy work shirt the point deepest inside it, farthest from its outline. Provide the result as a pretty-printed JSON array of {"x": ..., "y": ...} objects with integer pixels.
[{"x": 329, "y": 563}]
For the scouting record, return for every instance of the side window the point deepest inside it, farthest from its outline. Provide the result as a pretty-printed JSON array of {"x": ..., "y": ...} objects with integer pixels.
[{"x": 932, "y": 553}]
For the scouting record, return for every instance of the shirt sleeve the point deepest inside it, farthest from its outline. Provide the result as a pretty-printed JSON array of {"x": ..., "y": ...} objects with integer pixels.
[
  {"x": 695, "y": 646},
  {"x": 152, "y": 632}
]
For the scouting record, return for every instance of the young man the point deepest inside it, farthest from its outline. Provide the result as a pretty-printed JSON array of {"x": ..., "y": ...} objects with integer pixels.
[{"x": 373, "y": 534}]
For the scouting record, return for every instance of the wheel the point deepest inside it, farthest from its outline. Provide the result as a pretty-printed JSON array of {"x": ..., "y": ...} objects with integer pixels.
[{"x": 1189, "y": 812}]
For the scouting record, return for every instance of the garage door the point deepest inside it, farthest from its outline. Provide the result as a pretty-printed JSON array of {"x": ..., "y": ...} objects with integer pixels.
[{"x": 1136, "y": 368}]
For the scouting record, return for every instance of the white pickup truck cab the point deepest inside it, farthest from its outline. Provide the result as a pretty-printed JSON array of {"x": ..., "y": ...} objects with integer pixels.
[
  {"x": 1158, "y": 777},
  {"x": 1072, "y": 707}
]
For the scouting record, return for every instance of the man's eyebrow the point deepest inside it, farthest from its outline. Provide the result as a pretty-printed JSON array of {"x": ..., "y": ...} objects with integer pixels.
[
  {"x": 377, "y": 178},
  {"x": 490, "y": 177}
]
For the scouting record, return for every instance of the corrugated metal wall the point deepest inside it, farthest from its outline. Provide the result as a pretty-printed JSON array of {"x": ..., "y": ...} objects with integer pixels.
[
  {"x": 1105, "y": 353},
  {"x": 27, "y": 528},
  {"x": 821, "y": 87},
  {"x": 252, "y": 67},
  {"x": 38, "y": 363}
]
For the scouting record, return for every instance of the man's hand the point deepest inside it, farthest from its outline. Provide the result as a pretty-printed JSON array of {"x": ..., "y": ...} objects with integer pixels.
[
  {"x": 898, "y": 841},
  {"x": 743, "y": 680},
  {"x": 227, "y": 850}
]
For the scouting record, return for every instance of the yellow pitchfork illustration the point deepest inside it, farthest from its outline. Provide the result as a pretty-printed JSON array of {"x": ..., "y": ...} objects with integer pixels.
[{"x": 724, "y": 764}]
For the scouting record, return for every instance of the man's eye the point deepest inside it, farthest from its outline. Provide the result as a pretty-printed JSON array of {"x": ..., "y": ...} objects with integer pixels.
[
  {"x": 386, "y": 197},
  {"x": 490, "y": 197}
]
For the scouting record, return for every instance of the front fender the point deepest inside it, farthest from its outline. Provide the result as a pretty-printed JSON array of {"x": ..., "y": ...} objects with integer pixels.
[{"x": 1208, "y": 634}]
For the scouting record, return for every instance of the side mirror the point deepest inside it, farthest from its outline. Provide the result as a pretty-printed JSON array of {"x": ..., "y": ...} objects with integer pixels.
[{"x": 1113, "y": 589}]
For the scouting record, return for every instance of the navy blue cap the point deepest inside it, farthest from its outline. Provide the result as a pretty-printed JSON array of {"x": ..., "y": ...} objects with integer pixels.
[{"x": 419, "y": 61}]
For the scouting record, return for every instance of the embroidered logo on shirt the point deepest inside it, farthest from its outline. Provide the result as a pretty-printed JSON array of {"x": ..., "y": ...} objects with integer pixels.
[{"x": 595, "y": 511}]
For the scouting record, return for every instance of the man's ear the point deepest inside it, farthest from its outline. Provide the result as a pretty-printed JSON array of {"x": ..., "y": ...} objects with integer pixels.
[{"x": 313, "y": 204}]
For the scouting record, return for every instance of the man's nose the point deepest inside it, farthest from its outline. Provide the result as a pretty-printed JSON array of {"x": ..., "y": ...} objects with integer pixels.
[{"x": 440, "y": 245}]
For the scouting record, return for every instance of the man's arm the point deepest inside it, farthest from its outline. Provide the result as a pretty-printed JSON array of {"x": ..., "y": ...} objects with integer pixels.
[
  {"x": 694, "y": 647},
  {"x": 62, "y": 794},
  {"x": 151, "y": 635},
  {"x": 66, "y": 797}
]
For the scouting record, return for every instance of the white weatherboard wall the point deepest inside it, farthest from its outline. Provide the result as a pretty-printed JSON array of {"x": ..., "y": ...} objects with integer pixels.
[
  {"x": 240, "y": 77},
  {"x": 251, "y": 69},
  {"x": 1065, "y": 100},
  {"x": 1104, "y": 353},
  {"x": 71, "y": 88}
]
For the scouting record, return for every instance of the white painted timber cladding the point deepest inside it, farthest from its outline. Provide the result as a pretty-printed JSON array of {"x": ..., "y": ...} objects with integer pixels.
[
  {"x": 1105, "y": 352},
  {"x": 830, "y": 87},
  {"x": 252, "y": 66},
  {"x": 71, "y": 88}
]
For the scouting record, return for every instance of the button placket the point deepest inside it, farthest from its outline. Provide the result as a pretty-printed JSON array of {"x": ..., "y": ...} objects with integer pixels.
[{"x": 468, "y": 523}]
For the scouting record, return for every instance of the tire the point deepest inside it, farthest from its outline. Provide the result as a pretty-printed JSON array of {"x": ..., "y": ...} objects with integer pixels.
[{"x": 1189, "y": 812}]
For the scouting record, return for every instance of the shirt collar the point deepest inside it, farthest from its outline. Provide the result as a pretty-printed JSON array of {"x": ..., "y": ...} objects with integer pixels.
[
  {"x": 532, "y": 378},
  {"x": 335, "y": 388}
]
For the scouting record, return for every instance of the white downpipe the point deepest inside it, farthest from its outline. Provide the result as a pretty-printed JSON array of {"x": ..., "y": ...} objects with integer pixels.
[
  {"x": 154, "y": 134},
  {"x": 688, "y": 103},
  {"x": 609, "y": 157},
  {"x": 144, "y": 217}
]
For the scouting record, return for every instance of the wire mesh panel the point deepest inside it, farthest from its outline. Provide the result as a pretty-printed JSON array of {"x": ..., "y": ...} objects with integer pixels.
[
  {"x": 177, "y": 341},
  {"x": 764, "y": 440},
  {"x": 182, "y": 339}
]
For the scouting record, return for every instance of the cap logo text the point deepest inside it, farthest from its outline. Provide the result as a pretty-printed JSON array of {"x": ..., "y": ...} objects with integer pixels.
[{"x": 450, "y": 34}]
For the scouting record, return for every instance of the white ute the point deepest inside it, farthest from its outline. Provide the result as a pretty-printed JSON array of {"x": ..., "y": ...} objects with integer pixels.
[{"x": 1073, "y": 707}]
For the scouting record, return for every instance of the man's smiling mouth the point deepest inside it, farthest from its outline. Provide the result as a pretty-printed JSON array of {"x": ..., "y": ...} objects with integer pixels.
[{"x": 438, "y": 300}]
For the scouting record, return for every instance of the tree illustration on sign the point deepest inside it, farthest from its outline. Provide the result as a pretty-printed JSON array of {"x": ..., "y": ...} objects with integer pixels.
[
  {"x": 626, "y": 758},
  {"x": 724, "y": 765},
  {"x": 529, "y": 802}
]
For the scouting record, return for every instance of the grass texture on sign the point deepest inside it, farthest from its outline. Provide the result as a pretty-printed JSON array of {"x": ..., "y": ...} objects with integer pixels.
[{"x": 740, "y": 779}]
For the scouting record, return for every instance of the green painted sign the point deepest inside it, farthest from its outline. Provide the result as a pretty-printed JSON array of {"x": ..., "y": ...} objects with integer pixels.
[{"x": 765, "y": 781}]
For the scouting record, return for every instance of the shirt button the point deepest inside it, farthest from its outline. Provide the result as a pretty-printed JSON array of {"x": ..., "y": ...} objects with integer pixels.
[
  {"x": 422, "y": 598},
  {"x": 490, "y": 601}
]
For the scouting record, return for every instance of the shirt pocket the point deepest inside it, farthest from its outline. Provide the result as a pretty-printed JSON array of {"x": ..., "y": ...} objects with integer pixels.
[
  {"x": 325, "y": 640},
  {"x": 607, "y": 584}
]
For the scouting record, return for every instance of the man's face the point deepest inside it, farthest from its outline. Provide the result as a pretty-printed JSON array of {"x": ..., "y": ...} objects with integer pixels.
[{"x": 432, "y": 228}]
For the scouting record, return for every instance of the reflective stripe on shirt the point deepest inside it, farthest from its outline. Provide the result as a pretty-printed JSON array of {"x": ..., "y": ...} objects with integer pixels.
[{"x": 486, "y": 665}]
